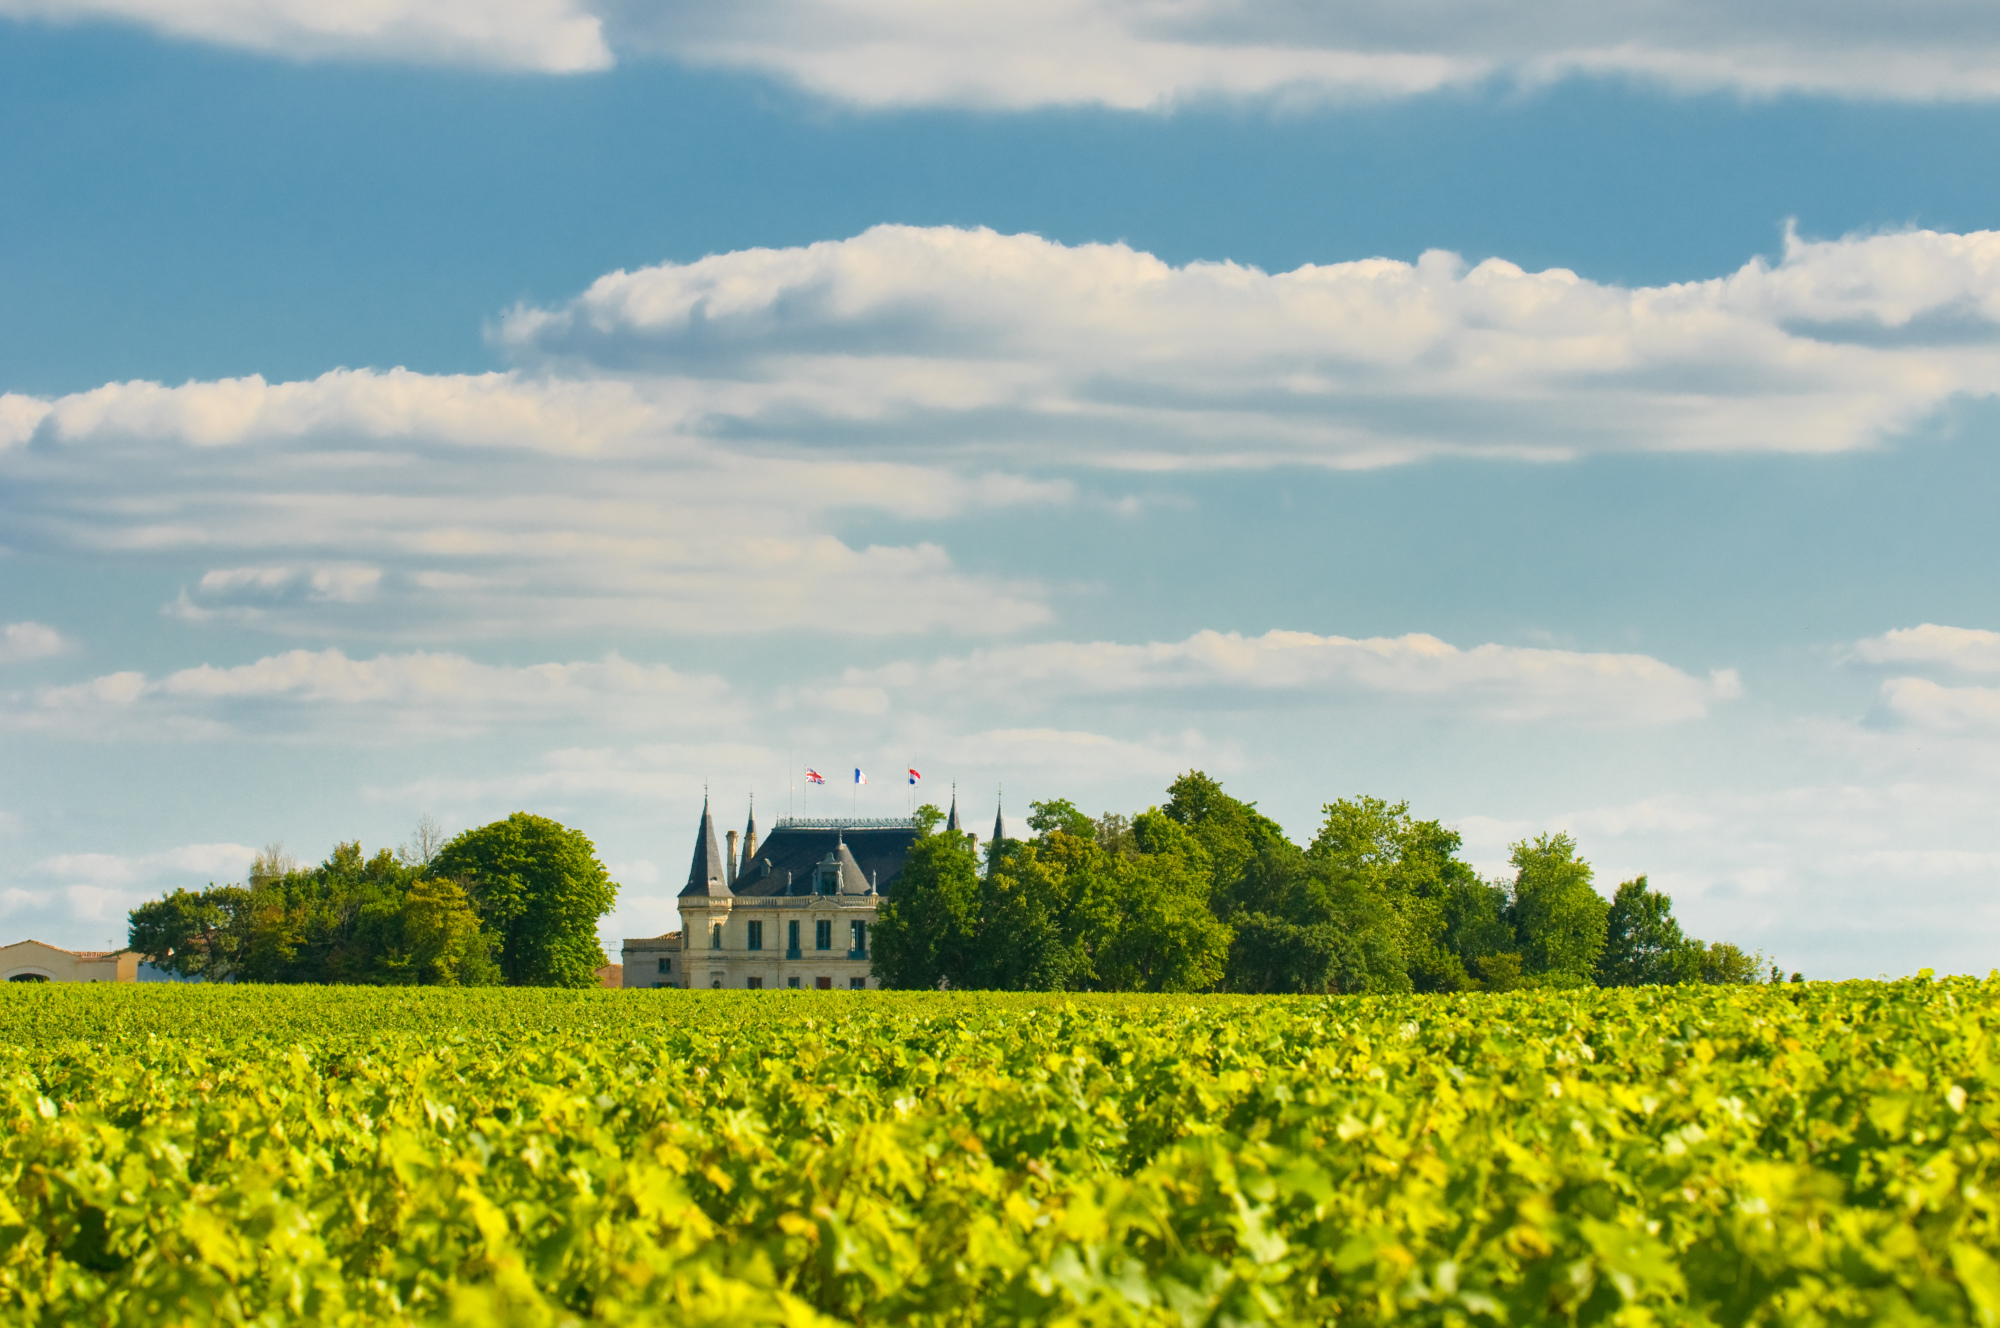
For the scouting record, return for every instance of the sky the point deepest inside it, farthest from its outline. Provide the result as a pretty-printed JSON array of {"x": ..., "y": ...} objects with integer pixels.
[{"x": 1571, "y": 420}]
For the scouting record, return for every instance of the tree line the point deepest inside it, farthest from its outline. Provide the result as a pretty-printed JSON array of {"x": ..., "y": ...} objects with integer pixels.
[
  {"x": 515, "y": 902},
  {"x": 1206, "y": 893}
]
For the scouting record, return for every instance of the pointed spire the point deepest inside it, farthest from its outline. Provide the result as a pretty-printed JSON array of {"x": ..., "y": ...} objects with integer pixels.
[
  {"x": 708, "y": 872},
  {"x": 951, "y": 822},
  {"x": 993, "y": 846},
  {"x": 749, "y": 839}
]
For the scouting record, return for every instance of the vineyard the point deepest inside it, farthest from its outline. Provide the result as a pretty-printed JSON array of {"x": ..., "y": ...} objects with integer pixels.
[{"x": 1799, "y": 1154}]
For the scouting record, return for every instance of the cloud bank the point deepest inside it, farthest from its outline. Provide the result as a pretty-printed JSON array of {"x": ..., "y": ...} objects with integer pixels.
[
  {"x": 913, "y": 340},
  {"x": 678, "y": 449},
  {"x": 1135, "y": 54}
]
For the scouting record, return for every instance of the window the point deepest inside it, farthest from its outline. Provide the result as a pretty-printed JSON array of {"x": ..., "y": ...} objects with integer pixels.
[
  {"x": 754, "y": 984},
  {"x": 792, "y": 982},
  {"x": 715, "y": 936},
  {"x": 823, "y": 934},
  {"x": 666, "y": 964},
  {"x": 756, "y": 936},
  {"x": 823, "y": 984},
  {"x": 792, "y": 942},
  {"x": 857, "y": 984},
  {"x": 858, "y": 933},
  {"x": 715, "y": 982}
]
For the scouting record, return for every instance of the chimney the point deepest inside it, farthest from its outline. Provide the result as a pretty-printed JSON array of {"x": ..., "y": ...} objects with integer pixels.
[{"x": 732, "y": 857}]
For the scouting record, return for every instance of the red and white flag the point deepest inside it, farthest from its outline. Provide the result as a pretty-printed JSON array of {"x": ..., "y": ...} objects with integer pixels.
[
  {"x": 814, "y": 777},
  {"x": 915, "y": 776}
]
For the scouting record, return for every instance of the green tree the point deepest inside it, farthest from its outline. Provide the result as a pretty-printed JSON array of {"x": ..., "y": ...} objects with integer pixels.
[
  {"x": 195, "y": 934},
  {"x": 1165, "y": 937},
  {"x": 1060, "y": 814},
  {"x": 441, "y": 941},
  {"x": 1477, "y": 929},
  {"x": 1410, "y": 866},
  {"x": 1643, "y": 944},
  {"x": 1304, "y": 924},
  {"x": 1557, "y": 915},
  {"x": 540, "y": 889},
  {"x": 1724, "y": 964},
  {"x": 924, "y": 933},
  {"x": 1231, "y": 832}
]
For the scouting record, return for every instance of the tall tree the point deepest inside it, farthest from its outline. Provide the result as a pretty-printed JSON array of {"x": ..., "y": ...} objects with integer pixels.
[
  {"x": 1643, "y": 944},
  {"x": 1557, "y": 915},
  {"x": 1410, "y": 866},
  {"x": 924, "y": 933},
  {"x": 541, "y": 889}
]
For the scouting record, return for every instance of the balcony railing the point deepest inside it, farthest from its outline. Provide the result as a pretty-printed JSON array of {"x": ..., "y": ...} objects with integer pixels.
[{"x": 858, "y": 954}]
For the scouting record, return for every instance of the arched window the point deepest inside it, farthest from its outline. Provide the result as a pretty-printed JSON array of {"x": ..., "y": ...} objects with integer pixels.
[{"x": 715, "y": 936}]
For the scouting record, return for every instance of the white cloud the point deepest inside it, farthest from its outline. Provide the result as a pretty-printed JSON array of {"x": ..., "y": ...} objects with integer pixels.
[
  {"x": 551, "y": 36},
  {"x": 1928, "y": 705},
  {"x": 1966, "y": 649},
  {"x": 29, "y": 640},
  {"x": 1132, "y": 53},
  {"x": 420, "y": 506},
  {"x": 388, "y": 698},
  {"x": 1511, "y": 684},
  {"x": 921, "y": 340},
  {"x": 1148, "y": 53}
]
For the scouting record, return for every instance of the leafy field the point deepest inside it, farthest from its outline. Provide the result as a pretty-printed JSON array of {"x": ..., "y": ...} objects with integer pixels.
[{"x": 1783, "y": 1155}]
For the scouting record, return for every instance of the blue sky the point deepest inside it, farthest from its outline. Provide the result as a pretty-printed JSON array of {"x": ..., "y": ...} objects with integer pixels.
[{"x": 1580, "y": 426}]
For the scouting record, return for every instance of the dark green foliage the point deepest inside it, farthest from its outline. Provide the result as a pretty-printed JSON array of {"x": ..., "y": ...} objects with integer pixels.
[
  {"x": 541, "y": 890},
  {"x": 1308, "y": 925},
  {"x": 1643, "y": 945},
  {"x": 924, "y": 935},
  {"x": 349, "y": 920},
  {"x": 1476, "y": 925}
]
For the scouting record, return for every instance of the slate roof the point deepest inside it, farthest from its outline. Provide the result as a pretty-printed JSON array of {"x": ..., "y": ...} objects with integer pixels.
[
  {"x": 708, "y": 874},
  {"x": 864, "y": 857}
]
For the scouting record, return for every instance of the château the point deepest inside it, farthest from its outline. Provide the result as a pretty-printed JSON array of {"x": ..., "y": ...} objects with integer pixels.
[{"x": 792, "y": 910}]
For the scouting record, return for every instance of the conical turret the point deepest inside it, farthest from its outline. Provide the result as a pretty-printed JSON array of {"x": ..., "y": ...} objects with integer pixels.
[
  {"x": 749, "y": 841},
  {"x": 708, "y": 874},
  {"x": 951, "y": 821}
]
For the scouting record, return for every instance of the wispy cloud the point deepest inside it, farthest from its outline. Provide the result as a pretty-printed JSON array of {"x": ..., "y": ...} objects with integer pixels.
[
  {"x": 1132, "y": 53},
  {"x": 551, "y": 36},
  {"x": 385, "y": 699},
  {"x": 1221, "y": 670}
]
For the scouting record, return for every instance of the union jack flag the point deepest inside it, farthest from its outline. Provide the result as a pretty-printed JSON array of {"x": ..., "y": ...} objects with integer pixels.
[{"x": 814, "y": 777}]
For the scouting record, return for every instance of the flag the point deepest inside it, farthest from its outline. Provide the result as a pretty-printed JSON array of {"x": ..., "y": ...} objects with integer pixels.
[
  {"x": 859, "y": 778},
  {"x": 914, "y": 776},
  {"x": 814, "y": 777}
]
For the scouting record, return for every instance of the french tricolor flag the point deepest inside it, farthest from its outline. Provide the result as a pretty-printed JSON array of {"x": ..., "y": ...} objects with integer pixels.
[{"x": 859, "y": 778}]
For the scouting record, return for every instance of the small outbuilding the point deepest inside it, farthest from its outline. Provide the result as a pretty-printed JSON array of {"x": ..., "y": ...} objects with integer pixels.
[{"x": 35, "y": 961}]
